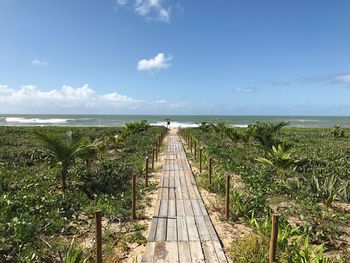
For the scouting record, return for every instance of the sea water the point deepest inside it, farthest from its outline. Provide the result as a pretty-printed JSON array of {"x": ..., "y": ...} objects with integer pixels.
[{"x": 175, "y": 120}]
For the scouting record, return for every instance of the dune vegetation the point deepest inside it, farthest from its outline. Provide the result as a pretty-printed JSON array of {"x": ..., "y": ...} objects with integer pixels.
[
  {"x": 53, "y": 179},
  {"x": 301, "y": 174}
]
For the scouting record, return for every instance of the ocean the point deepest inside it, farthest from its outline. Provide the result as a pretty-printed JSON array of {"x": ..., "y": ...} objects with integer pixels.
[{"x": 176, "y": 120}]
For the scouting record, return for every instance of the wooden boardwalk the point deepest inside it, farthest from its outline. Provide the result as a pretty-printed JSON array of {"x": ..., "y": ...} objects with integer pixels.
[{"x": 181, "y": 229}]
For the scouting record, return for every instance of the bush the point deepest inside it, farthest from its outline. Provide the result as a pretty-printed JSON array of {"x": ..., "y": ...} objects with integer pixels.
[{"x": 250, "y": 249}]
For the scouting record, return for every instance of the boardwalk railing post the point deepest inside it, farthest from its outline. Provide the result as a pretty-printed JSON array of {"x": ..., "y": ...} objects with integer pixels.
[
  {"x": 133, "y": 196},
  {"x": 191, "y": 144},
  {"x": 200, "y": 159},
  {"x": 146, "y": 171},
  {"x": 156, "y": 153},
  {"x": 195, "y": 149},
  {"x": 153, "y": 153},
  {"x": 210, "y": 170},
  {"x": 273, "y": 241},
  {"x": 227, "y": 201},
  {"x": 98, "y": 237}
]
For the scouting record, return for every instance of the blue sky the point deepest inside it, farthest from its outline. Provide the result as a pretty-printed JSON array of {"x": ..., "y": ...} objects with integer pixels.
[{"x": 175, "y": 57}]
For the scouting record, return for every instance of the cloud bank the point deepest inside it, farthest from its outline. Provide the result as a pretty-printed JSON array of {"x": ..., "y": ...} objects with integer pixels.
[
  {"x": 159, "y": 62},
  {"x": 31, "y": 99}
]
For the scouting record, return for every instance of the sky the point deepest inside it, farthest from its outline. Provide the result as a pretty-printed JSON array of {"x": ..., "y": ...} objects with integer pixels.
[{"x": 227, "y": 57}]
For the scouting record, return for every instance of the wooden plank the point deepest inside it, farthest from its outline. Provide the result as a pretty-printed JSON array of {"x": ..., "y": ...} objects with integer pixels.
[
  {"x": 219, "y": 252},
  {"x": 163, "y": 210},
  {"x": 188, "y": 208},
  {"x": 196, "y": 208},
  {"x": 153, "y": 230},
  {"x": 148, "y": 255},
  {"x": 212, "y": 232},
  {"x": 202, "y": 228},
  {"x": 171, "y": 234},
  {"x": 182, "y": 234},
  {"x": 196, "y": 251},
  {"x": 184, "y": 252},
  {"x": 160, "y": 252},
  {"x": 209, "y": 252},
  {"x": 173, "y": 252},
  {"x": 202, "y": 207},
  {"x": 161, "y": 229},
  {"x": 192, "y": 229},
  {"x": 180, "y": 210}
]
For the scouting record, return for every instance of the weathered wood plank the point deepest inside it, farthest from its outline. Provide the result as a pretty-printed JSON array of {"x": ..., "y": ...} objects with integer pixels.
[
  {"x": 209, "y": 252},
  {"x": 148, "y": 256},
  {"x": 192, "y": 228},
  {"x": 171, "y": 234},
  {"x": 182, "y": 234},
  {"x": 202, "y": 228},
  {"x": 173, "y": 252},
  {"x": 219, "y": 252},
  {"x": 185, "y": 252},
  {"x": 196, "y": 251}
]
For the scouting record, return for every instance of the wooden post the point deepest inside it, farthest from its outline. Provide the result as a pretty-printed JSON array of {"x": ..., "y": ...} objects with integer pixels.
[
  {"x": 156, "y": 154},
  {"x": 153, "y": 152},
  {"x": 98, "y": 237},
  {"x": 200, "y": 159},
  {"x": 146, "y": 172},
  {"x": 191, "y": 143},
  {"x": 133, "y": 207},
  {"x": 210, "y": 169},
  {"x": 273, "y": 241},
  {"x": 195, "y": 149},
  {"x": 227, "y": 201}
]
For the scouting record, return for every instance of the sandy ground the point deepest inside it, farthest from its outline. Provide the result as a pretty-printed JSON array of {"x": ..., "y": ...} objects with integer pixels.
[{"x": 136, "y": 251}]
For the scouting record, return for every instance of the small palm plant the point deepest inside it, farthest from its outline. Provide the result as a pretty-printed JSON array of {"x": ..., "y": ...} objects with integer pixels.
[
  {"x": 265, "y": 132},
  {"x": 279, "y": 158},
  {"x": 62, "y": 150},
  {"x": 327, "y": 190}
]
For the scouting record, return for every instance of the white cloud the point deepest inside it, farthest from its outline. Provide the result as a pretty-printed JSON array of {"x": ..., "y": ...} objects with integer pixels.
[
  {"x": 37, "y": 62},
  {"x": 160, "y": 61},
  {"x": 153, "y": 9},
  {"x": 122, "y": 2},
  {"x": 31, "y": 99},
  {"x": 246, "y": 90},
  {"x": 344, "y": 79},
  {"x": 150, "y": 9}
]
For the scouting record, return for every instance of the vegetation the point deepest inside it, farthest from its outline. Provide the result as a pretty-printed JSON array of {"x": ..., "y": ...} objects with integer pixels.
[
  {"x": 303, "y": 174},
  {"x": 53, "y": 179}
]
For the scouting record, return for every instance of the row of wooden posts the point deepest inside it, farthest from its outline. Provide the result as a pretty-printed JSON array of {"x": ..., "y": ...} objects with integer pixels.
[
  {"x": 193, "y": 148},
  {"x": 99, "y": 214}
]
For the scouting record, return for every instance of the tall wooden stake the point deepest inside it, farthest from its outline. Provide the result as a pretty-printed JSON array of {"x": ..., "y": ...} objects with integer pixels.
[
  {"x": 191, "y": 144},
  {"x": 273, "y": 241},
  {"x": 210, "y": 169},
  {"x": 200, "y": 159},
  {"x": 153, "y": 153},
  {"x": 146, "y": 172},
  {"x": 98, "y": 222},
  {"x": 156, "y": 153},
  {"x": 195, "y": 149},
  {"x": 133, "y": 196},
  {"x": 227, "y": 201}
]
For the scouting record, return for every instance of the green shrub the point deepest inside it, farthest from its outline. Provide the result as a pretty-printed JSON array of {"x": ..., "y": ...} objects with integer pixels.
[{"x": 250, "y": 249}]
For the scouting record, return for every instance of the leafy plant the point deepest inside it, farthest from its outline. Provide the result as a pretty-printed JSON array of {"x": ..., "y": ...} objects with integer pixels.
[
  {"x": 62, "y": 149},
  {"x": 338, "y": 132},
  {"x": 279, "y": 158}
]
